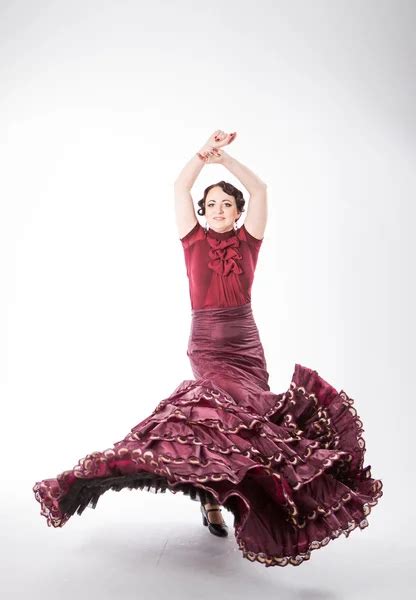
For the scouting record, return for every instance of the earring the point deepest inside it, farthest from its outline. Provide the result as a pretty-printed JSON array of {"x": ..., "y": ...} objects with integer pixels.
[
  {"x": 206, "y": 226},
  {"x": 235, "y": 225}
]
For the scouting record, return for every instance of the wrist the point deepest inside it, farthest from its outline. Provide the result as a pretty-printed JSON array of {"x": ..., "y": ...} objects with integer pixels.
[{"x": 226, "y": 158}]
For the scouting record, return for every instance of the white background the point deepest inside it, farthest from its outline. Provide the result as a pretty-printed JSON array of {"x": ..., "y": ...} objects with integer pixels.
[{"x": 101, "y": 105}]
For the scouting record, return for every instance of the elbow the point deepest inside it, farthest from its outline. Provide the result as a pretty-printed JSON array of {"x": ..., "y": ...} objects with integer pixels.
[
  {"x": 181, "y": 186},
  {"x": 261, "y": 186}
]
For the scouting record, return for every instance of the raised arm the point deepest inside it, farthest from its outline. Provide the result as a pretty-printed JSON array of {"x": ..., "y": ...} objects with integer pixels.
[
  {"x": 184, "y": 207},
  {"x": 256, "y": 218}
]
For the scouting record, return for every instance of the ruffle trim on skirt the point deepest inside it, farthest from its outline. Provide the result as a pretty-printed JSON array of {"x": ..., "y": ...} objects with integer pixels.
[{"x": 293, "y": 478}]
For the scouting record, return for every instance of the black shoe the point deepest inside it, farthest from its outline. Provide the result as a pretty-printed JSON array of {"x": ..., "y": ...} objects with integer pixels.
[{"x": 219, "y": 529}]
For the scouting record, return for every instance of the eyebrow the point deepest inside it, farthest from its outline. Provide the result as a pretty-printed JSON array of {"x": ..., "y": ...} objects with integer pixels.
[{"x": 225, "y": 200}]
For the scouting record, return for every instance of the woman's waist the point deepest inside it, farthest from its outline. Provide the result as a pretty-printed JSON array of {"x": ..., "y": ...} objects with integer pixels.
[
  {"x": 222, "y": 313},
  {"x": 234, "y": 323}
]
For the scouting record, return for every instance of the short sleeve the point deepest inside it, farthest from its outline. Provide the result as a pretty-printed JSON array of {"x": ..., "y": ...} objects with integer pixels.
[
  {"x": 188, "y": 238},
  {"x": 254, "y": 242}
]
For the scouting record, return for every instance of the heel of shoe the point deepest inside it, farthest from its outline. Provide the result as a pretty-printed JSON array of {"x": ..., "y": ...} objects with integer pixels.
[{"x": 204, "y": 519}]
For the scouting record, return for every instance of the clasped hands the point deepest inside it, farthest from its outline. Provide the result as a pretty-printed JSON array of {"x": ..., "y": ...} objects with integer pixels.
[{"x": 211, "y": 151}]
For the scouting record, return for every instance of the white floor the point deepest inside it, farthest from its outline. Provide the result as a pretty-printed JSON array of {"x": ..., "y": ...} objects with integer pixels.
[{"x": 138, "y": 544}]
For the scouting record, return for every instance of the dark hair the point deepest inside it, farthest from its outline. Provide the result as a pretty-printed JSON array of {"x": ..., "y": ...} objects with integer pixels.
[{"x": 228, "y": 188}]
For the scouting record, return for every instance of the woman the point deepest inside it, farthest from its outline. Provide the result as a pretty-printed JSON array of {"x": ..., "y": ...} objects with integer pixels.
[{"x": 288, "y": 466}]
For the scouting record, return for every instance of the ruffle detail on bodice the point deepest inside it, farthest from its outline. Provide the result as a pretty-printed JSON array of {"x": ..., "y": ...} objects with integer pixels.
[{"x": 224, "y": 255}]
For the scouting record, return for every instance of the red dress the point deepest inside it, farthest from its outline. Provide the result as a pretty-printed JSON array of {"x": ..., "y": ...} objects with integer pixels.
[{"x": 288, "y": 466}]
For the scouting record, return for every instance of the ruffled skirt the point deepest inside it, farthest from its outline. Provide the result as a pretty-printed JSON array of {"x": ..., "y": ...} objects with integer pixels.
[{"x": 288, "y": 466}]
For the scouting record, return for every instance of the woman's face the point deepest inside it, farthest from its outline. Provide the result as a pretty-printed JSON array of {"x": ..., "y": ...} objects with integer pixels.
[{"x": 220, "y": 210}]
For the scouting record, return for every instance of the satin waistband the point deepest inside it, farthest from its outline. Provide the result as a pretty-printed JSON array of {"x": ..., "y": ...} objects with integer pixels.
[{"x": 225, "y": 313}]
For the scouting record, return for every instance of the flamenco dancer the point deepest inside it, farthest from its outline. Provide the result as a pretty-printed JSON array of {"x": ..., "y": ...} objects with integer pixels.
[{"x": 288, "y": 466}]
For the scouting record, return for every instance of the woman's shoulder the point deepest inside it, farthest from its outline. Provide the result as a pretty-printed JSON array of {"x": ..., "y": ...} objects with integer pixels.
[
  {"x": 196, "y": 232},
  {"x": 245, "y": 235}
]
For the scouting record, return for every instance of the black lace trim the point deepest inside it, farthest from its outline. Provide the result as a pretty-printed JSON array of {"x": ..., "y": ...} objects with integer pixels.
[{"x": 86, "y": 492}]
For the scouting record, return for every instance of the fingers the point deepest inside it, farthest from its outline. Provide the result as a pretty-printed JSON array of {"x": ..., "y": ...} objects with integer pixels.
[
  {"x": 209, "y": 154},
  {"x": 203, "y": 156},
  {"x": 223, "y": 138},
  {"x": 219, "y": 135}
]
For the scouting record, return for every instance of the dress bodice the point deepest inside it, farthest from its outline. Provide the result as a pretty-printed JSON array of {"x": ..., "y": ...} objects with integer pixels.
[{"x": 220, "y": 266}]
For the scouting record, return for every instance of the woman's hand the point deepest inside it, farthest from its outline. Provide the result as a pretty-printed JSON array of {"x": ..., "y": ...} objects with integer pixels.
[
  {"x": 210, "y": 151},
  {"x": 219, "y": 139},
  {"x": 216, "y": 155}
]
